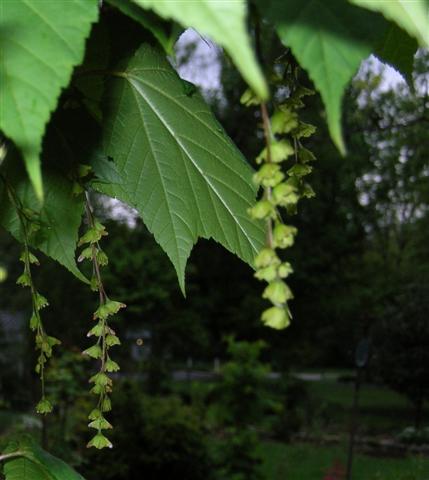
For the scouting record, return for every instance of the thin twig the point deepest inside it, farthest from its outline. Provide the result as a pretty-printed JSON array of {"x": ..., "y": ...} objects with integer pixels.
[{"x": 268, "y": 191}]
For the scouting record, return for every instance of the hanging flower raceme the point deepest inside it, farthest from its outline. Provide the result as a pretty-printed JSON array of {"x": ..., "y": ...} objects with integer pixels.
[
  {"x": 29, "y": 223},
  {"x": 283, "y": 164},
  {"x": 44, "y": 342},
  {"x": 104, "y": 336}
]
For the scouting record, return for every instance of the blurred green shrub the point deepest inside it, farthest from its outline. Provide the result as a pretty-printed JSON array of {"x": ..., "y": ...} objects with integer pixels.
[
  {"x": 241, "y": 394},
  {"x": 241, "y": 398},
  {"x": 296, "y": 409},
  {"x": 236, "y": 456},
  {"x": 152, "y": 438}
]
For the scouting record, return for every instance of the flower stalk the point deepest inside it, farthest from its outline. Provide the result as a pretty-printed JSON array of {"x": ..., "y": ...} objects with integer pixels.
[{"x": 105, "y": 336}]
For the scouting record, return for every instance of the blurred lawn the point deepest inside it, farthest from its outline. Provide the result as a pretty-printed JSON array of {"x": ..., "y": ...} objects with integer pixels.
[
  {"x": 311, "y": 462},
  {"x": 381, "y": 410}
]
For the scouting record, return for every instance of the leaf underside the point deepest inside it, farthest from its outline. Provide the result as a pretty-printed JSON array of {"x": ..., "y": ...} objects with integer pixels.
[
  {"x": 36, "y": 464},
  {"x": 223, "y": 22},
  {"x": 24, "y": 469},
  {"x": 412, "y": 16},
  {"x": 330, "y": 40},
  {"x": 397, "y": 49},
  {"x": 60, "y": 216},
  {"x": 41, "y": 43},
  {"x": 179, "y": 168}
]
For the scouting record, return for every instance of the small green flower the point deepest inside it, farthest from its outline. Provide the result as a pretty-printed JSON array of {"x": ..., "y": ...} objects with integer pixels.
[
  {"x": 97, "y": 331},
  {"x": 86, "y": 254},
  {"x": 111, "y": 366},
  {"x": 285, "y": 194},
  {"x": 284, "y": 120},
  {"x": 279, "y": 150},
  {"x": 40, "y": 301},
  {"x": 94, "y": 351},
  {"x": 112, "y": 340},
  {"x": 284, "y": 270},
  {"x": 283, "y": 235},
  {"x": 100, "y": 423},
  {"x": 101, "y": 389},
  {"x": 305, "y": 155},
  {"x": 93, "y": 234},
  {"x": 308, "y": 191},
  {"x": 249, "y": 98},
  {"x": 276, "y": 317},
  {"x": 102, "y": 258},
  {"x": 277, "y": 292},
  {"x": 106, "y": 404},
  {"x": 266, "y": 257},
  {"x": 44, "y": 406},
  {"x": 109, "y": 308},
  {"x": 24, "y": 280},
  {"x": 34, "y": 321},
  {"x": 31, "y": 258},
  {"x": 269, "y": 175},
  {"x": 304, "y": 130},
  {"x": 99, "y": 442},
  {"x": 299, "y": 170},
  {"x": 263, "y": 209},
  {"x": 268, "y": 273},
  {"x": 95, "y": 413},
  {"x": 100, "y": 379}
]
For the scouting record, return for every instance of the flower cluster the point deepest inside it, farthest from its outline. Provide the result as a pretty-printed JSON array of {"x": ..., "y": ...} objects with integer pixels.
[
  {"x": 105, "y": 337},
  {"x": 282, "y": 188},
  {"x": 44, "y": 342}
]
